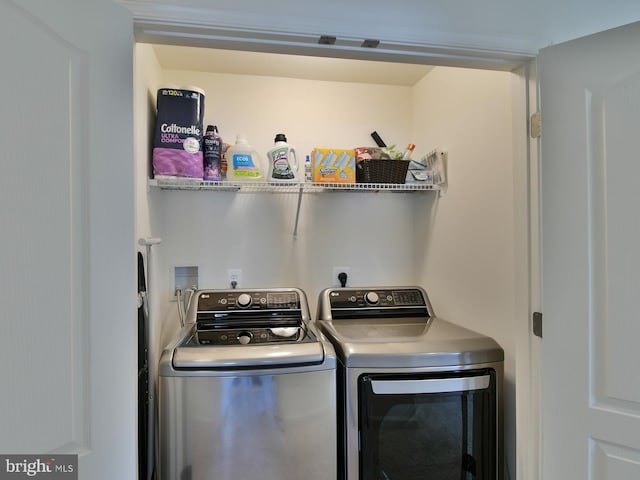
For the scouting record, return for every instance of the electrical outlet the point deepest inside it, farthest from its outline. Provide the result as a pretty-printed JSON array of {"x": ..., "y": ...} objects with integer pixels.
[
  {"x": 234, "y": 275},
  {"x": 337, "y": 271}
]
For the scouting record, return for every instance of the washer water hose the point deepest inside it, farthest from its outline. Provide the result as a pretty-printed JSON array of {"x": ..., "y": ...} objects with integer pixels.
[{"x": 182, "y": 308}]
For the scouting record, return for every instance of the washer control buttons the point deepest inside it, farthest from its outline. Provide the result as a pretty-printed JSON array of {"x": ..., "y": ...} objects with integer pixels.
[
  {"x": 243, "y": 300},
  {"x": 371, "y": 298},
  {"x": 244, "y": 337}
]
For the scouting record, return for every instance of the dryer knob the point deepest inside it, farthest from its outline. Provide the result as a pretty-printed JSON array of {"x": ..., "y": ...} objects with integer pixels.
[
  {"x": 243, "y": 300},
  {"x": 372, "y": 298}
]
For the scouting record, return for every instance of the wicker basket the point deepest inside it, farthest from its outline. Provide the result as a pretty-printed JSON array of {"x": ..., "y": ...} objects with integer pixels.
[{"x": 381, "y": 171}]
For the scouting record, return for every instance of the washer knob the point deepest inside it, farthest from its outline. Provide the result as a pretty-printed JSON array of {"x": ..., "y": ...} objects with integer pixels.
[
  {"x": 243, "y": 300},
  {"x": 371, "y": 298},
  {"x": 244, "y": 337}
]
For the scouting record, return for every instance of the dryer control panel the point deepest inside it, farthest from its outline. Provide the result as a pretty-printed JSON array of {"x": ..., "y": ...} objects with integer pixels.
[{"x": 373, "y": 297}]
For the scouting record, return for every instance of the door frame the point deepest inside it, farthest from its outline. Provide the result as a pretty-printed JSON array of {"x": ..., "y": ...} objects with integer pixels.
[
  {"x": 156, "y": 24},
  {"x": 528, "y": 264}
]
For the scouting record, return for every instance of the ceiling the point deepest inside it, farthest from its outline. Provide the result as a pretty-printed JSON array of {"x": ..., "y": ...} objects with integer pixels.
[{"x": 174, "y": 57}]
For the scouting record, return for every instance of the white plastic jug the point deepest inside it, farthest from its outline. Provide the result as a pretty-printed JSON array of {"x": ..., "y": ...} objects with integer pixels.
[
  {"x": 283, "y": 161},
  {"x": 243, "y": 162}
]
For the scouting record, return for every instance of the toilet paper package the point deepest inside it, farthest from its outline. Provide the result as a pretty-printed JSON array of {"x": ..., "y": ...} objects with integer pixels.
[{"x": 177, "y": 144}]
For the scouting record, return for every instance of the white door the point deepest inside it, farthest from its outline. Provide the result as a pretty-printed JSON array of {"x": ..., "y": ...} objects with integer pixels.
[
  {"x": 67, "y": 275},
  {"x": 590, "y": 352}
]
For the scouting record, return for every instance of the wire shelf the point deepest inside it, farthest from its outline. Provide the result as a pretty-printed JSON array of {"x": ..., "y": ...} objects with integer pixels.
[{"x": 306, "y": 187}]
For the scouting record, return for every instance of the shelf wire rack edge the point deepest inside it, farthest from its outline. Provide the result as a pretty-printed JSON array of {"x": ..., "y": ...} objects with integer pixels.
[{"x": 307, "y": 187}]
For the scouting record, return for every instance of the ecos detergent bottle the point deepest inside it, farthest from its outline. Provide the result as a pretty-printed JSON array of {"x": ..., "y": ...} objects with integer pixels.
[
  {"x": 283, "y": 161},
  {"x": 243, "y": 162}
]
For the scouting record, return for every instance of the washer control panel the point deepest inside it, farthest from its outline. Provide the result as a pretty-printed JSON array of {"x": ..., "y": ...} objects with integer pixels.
[
  {"x": 379, "y": 298},
  {"x": 225, "y": 301},
  {"x": 249, "y": 336}
]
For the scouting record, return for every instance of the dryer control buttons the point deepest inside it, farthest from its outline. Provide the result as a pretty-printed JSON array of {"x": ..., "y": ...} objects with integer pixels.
[
  {"x": 371, "y": 298},
  {"x": 243, "y": 300}
]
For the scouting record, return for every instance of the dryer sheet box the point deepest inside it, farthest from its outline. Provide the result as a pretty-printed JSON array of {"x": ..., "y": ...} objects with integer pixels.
[{"x": 333, "y": 165}]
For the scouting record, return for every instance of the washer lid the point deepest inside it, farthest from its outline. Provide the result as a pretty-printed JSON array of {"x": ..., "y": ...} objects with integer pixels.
[{"x": 193, "y": 356}]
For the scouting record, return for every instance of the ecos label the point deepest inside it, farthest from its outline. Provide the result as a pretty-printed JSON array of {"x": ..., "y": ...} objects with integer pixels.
[{"x": 243, "y": 166}]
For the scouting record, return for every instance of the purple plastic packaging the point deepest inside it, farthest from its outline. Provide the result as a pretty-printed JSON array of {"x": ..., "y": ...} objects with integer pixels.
[{"x": 177, "y": 144}]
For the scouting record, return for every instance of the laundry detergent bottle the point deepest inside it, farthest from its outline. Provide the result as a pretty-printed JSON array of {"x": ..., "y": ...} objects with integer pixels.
[
  {"x": 283, "y": 161},
  {"x": 243, "y": 162}
]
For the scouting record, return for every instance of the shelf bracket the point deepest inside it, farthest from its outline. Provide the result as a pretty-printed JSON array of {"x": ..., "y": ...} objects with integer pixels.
[{"x": 295, "y": 226}]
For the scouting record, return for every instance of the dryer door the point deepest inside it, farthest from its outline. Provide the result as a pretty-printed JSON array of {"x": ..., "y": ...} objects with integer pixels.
[{"x": 440, "y": 425}]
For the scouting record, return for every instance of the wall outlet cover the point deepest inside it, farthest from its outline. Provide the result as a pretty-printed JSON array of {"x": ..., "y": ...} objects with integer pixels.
[{"x": 234, "y": 275}]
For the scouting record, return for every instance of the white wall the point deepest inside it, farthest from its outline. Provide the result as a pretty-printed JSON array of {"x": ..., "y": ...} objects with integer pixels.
[
  {"x": 468, "y": 264},
  {"x": 368, "y": 232},
  {"x": 147, "y": 77},
  {"x": 460, "y": 246},
  {"x": 311, "y": 113}
]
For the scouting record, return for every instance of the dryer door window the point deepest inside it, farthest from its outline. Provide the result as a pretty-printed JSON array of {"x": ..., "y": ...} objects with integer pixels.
[{"x": 440, "y": 426}]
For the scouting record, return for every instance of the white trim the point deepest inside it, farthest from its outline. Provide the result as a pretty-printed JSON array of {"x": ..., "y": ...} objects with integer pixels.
[
  {"x": 211, "y": 28},
  {"x": 528, "y": 258}
]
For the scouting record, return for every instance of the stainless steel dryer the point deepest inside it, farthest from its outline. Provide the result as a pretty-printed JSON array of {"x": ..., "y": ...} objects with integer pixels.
[
  {"x": 248, "y": 391},
  {"x": 419, "y": 397}
]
